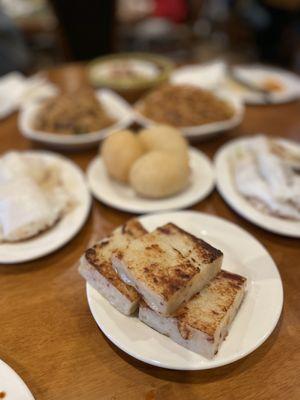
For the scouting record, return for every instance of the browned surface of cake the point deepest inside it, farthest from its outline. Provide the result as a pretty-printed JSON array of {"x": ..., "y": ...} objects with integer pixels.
[
  {"x": 206, "y": 310},
  {"x": 203, "y": 322},
  {"x": 167, "y": 266}
]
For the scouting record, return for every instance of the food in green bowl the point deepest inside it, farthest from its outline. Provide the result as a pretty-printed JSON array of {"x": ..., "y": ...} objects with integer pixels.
[{"x": 129, "y": 71}]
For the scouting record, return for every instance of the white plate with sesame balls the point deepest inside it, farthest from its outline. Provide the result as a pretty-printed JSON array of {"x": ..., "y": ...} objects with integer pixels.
[{"x": 123, "y": 197}]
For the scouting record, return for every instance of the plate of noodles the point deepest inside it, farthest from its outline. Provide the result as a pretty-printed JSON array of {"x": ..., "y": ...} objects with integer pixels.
[
  {"x": 198, "y": 113},
  {"x": 75, "y": 120}
]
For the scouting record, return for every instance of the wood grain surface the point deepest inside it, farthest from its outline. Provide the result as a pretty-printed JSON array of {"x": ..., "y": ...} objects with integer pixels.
[{"x": 48, "y": 335}]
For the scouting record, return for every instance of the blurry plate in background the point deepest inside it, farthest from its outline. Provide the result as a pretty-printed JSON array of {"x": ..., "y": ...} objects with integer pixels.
[
  {"x": 240, "y": 204},
  {"x": 11, "y": 385},
  {"x": 204, "y": 131},
  {"x": 124, "y": 198},
  {"x": 250, "y": 83},
  {"x": 285, "y": 85},
  {"x": 17, "y": 91},
  {"x": 66, "y": 228},
  {"x": 130, "y": 74},
  {"x": 115, "y": 106}
]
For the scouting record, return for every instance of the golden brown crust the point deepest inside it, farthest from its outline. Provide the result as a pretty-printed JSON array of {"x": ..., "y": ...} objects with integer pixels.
[
  {"x": 133, "y": 228},
  {"x": 99, "y": 256},
  {"x": 207, "y": 252},
  {"x": 167, "y": 259},
  {"x": 159, "y": 269},
  {"x": 206, "y": 309}
]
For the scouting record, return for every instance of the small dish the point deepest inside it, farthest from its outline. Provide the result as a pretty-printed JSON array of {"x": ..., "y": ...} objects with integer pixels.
[
  {"x": 65, "y": 229},
  {"x": 256, "y": 75},
  {"x": 255, "y": 321},
  {"x": 12, "y": 386},
  {"x": 242, "y": 206},
  {"x": 123, "y": 197},
  {"x": 130, "y": 74},
  {"x": 114, "y": 105}
]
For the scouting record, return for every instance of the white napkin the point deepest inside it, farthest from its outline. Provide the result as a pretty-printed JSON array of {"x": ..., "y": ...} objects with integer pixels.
[
  {"x": 17, "y": 91},
  {"x": 207, "y": 76}
]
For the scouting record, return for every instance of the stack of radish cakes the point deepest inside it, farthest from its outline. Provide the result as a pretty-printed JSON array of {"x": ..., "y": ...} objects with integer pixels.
[{"x": 173, "y": 278}]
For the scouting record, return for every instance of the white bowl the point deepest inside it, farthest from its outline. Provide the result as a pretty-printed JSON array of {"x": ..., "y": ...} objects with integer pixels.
[{"x": 115, "y": 106}]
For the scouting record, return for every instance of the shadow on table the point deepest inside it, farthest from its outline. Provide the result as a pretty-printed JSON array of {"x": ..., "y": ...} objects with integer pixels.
[{"x": 195, "y": 377}]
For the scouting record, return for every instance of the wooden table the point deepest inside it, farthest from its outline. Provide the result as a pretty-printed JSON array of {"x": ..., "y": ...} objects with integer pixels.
[{"x": 50, "y": 338}]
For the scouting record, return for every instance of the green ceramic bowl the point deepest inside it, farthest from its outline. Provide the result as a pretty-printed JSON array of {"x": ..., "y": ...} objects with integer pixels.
[{"x": 130, "y": 74}]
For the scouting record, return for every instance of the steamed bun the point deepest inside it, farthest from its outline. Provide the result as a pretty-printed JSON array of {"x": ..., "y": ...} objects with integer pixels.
[
  {"x": 159, "y": 174},
  {"x": 164, "y": 137},
  {"x": 119, "y": 151}
]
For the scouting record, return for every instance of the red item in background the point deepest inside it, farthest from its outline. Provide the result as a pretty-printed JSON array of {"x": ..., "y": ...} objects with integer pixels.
[{"x": 175, "y": 10}]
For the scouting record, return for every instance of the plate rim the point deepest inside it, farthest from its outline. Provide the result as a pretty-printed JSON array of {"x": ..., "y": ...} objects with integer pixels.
[
  {"x": 258, "y": 100},
  {"x": 141, "y": 210},
  {"x": 218, "y": 158},
  {"x": 4, "y": 365},
  {"x": 213, "y": 364},
  {"x": 86, "y": 214}
]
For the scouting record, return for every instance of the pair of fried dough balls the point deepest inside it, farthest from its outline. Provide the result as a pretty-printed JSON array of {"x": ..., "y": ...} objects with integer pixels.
[{"x": 154, "y": 162}]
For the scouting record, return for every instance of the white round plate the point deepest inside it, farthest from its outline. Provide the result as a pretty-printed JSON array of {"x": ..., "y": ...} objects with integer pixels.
[
  {"x": 12, "y": 385},
  {"x": 254, "y": 322},
  {"x": 205, "y": 130},
  {"x": 124, "y": 198},
  {"x": 256, "y": 74},
  {"x": 114, "y": 105},
  {"x": 241, "y": 205},
  {"x": 65, "y": 229}
]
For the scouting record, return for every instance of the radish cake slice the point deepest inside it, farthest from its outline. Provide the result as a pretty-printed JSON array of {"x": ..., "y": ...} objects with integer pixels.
[
  {"x": 202, "y": 324},
  {"x": 96, "y": 268},
  {"x": 167, "y": 266}
]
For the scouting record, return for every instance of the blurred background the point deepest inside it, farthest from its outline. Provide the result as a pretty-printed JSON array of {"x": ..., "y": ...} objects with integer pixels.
[{"x": 37, "y": 34}]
